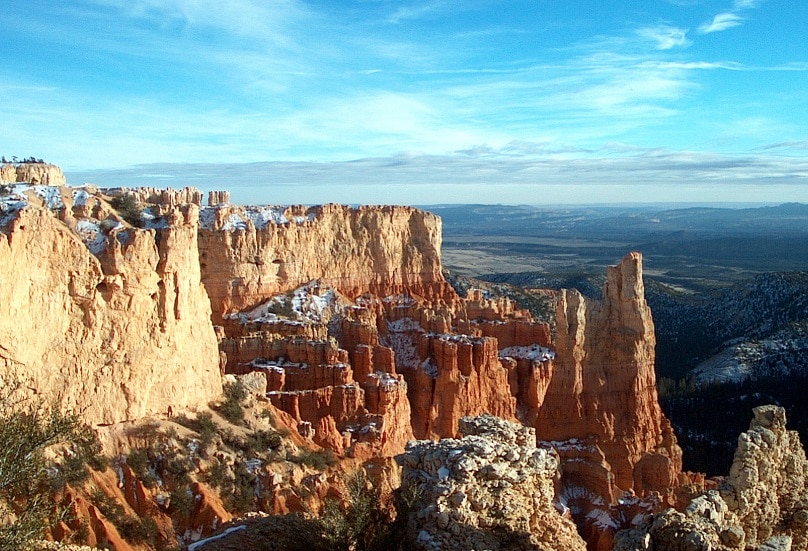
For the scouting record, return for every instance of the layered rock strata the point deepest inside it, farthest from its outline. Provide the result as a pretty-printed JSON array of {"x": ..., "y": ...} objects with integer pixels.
[
  {"x": 34, "y": 173},
  {"x": 104, "y": 319},
  {"x": 251, "y": 254},
  {"x": 344, "y": 313},
  {"x": 491, "y": 489},
  {"x": 603, "y": 384}
]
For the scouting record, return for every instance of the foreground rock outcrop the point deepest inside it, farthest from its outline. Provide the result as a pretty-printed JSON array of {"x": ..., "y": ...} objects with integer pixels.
[
  {"x": 762, "y": 505},
  {"x": 491, "y": 489}
]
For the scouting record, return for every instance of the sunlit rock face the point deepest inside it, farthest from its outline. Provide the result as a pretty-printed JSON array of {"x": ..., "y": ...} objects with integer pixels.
[
  {"x": 344, "y": 318},
  {"x": 603, "y": 383},
  {"x": 34, "y": 173},
  {"x": 250, "y": 254},
  {"x": 102, "y": 318}
]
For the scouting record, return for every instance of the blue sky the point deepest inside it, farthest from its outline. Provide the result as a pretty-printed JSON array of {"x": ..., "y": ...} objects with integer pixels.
[{"x": 375, "y": 101}]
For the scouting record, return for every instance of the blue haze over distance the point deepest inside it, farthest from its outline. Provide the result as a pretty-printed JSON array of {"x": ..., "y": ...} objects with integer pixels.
[{"x": 417, "y": 102}]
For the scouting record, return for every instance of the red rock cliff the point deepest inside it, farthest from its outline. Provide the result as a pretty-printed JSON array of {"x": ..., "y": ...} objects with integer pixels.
[
  {"x": 382, "y": 250},
  {"x": 603, "y": 383}
]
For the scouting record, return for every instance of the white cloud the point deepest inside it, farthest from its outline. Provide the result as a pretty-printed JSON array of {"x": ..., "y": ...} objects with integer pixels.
[
  {"x": 404, "y": 13},
  {"x": 492, "y": 175},
  {"x": 665, "y": 37},
  {"x": 721, "y": 22},
  {"x": 746, "y": 4}
]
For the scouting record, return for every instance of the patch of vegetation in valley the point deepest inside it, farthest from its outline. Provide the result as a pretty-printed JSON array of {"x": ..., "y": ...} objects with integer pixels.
[{"x": 692, "y": 327}]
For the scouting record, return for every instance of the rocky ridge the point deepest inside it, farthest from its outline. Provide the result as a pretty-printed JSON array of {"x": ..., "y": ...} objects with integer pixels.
[
  {"x": 34, "y": 173},
  {"x": 762, "y": 504},
  {"x": 490, "y": 489},
  {"x": 128, "y": 320},
  {"x": 359, "y": 349}
]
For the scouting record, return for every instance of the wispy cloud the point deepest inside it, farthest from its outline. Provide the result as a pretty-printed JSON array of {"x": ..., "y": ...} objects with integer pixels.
[
  {"x": 746, "y": 4},
  {"x": 729, "y": 19},
  {"x": 416, "y": 11},
  {"x": 495, "y": 175},
  {"x": 665, "y": 37},
  {"x": 721, "y": 22},
  {"x": 798, "y": 145}
]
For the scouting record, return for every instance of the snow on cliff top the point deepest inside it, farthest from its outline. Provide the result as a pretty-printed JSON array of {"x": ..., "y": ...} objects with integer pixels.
[
  {"x": 15, "y": 196},
  {"x": 533, "y": 352},
  {"x": 260, "y": 216}
]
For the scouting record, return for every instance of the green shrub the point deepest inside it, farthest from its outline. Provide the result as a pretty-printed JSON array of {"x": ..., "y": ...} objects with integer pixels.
[
  {"x": 132, "y": 528},
  {"x": 140, "y": 463},
  {"x": 242, "y": 497},
  {"x": 231, "y": 409},
  {"x": 320, "y": 459},
  {"x": 181, "y": 501},
  {"x": 127, "y": 207},
  {"x": 203, "y": 425},
  {"x": 217, "y": 474},
  {"x": 26, "y": 429},
  {"x": 361, "y": 524}
]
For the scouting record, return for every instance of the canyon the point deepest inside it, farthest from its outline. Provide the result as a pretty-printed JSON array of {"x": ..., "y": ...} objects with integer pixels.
[{"x": 341, "y": 321}]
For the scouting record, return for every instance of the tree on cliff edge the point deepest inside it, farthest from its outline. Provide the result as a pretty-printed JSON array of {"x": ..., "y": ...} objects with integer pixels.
[{"x": 26, "y": 430}]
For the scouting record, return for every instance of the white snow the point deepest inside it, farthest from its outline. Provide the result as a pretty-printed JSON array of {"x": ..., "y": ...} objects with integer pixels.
[
  {"x": 153, "y": 222},
  {"x": 386, "y": 381},
  {"x": 571, "y": 493},
  {"x": 404, "y": 346},
  {"x": 196, "y": 545},
  {"x": 12, "y": 201},
  {"x": 253, "y": 465},
  {"x": 311, "y": 302},
  {"x": 429, "y": 368},
  {"x": 80, "y": 197},
  {"x": 403, "y": 324},
  {"x": 262, "y": 216},
  {"x": 51, "y": 196},
  {"x": 90, "y": 232},
  {"x": 533, "y": 352},
  {"x": 259, "y": 216},
  {"x": 602, "y": 519},
  {"x": 724, "y": 367},
  {"x": 234, "y": 222},
  {"x": 207, "y": 216}
]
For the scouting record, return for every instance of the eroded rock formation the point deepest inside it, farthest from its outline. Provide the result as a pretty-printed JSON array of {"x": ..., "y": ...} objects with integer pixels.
[
  {"x": 603, "y": 385},
  {"x": 490, "y": 489},
  {"x": 250, "y": 254},
  {"x": 104, "y": 319},
  {"x": 761, "y": 506},
  {"x": 34, "y": 173},
  {"x": 344, "y": 318}
]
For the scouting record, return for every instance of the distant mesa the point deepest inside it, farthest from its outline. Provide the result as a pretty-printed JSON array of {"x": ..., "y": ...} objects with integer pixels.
[{"x": 32, "y": 172}]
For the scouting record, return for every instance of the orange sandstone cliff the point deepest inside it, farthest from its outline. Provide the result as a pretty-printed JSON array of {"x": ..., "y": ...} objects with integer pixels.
[
  {"x": 603, "y": 384},
  {"x": 107, "y": 320},
  {"x": 250, "y": 254},
  {"x": 346, "y": 316}
]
